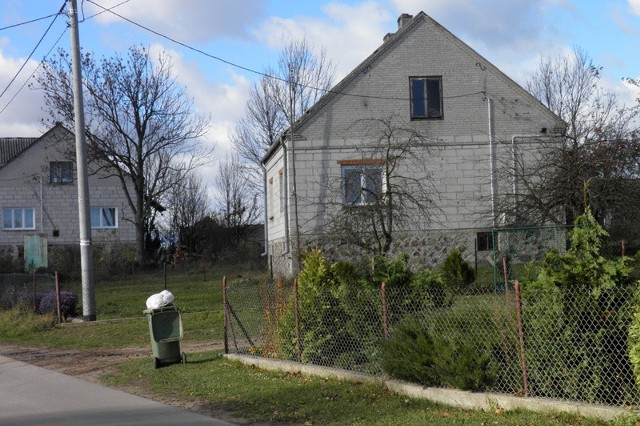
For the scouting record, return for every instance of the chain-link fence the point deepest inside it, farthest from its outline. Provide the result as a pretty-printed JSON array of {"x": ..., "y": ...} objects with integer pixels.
[
  {"x": 25, "y": 289},
  {"x": 564, "y": 342},
  {"x": 517, "y": 251}
]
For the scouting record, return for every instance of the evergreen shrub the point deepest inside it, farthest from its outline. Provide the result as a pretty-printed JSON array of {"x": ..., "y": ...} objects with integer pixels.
[{"x": 576, "y": 317}]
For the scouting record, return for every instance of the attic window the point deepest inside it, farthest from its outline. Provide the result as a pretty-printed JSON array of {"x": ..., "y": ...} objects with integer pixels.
[
  {"x": 61, "y": 172},
  {"x": 426, "y": 97}
]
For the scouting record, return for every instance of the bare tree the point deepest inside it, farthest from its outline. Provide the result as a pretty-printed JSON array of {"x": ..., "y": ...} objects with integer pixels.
[
  {"x": 387, "y": 190},
  {"x": 285, "y": 92},
  {"x": 239, "y": 208},
  {"x": 596, "y": 152},
  {"x": 188, "y": 203},
  {"x": 139, "y": 124}
]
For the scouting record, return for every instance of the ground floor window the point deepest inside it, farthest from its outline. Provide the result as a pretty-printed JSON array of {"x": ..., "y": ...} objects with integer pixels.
[
  {"x": 104, "y": 218},
  {"x": 18, "y": 218}
]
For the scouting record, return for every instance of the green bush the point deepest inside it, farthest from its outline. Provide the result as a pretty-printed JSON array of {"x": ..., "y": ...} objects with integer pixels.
[
  {"x": 576, "y": 315},
  {"x": 445, "y": 350},
  {"x": 323, "y": 332},
  {"x": 456, "y": 272},
  {"x": 409, "y": 354}
]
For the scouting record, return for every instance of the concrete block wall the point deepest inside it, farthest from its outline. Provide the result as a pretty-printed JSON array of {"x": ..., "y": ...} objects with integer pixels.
[
  {"x": 25, "y": 183},
  {"x": 482, "y": 110}
]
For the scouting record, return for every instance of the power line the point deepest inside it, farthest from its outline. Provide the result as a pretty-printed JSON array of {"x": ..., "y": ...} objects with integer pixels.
[
  {"x": 242, "y": 67},
  {"x": 28, "y": 22},
  {"x": 52, "y": 47},
  {"x": 34, "y": 71},
  {"x": 34, "y": 49}
]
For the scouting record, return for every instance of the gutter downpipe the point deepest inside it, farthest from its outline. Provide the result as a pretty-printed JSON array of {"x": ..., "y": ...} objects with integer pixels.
[
  {"x": 492, "y": 160},
  {"x": 514, "y": 161},
  {"x": 285, "y": 196},
  {"x": 264, "y": 208},
  {"x": 41, "y": 205}
]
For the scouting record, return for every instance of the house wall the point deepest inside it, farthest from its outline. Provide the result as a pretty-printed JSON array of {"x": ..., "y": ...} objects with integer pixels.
[
  {"x": 482, "y": 111},
  {"x": 25, "y": 182}
]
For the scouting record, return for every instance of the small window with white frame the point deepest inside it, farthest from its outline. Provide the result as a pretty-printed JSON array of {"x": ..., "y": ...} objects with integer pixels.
[
  {"x": 362, "y": 183},
  {"x": 426, "y": 97},
  {"x": 18, "y": 219},
  {"x": 61, "y": 172},
  {"x": 104, "y": 217}
]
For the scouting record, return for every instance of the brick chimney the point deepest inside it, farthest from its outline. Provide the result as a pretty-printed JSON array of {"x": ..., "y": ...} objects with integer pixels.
[{"x": 403, "y": 20}]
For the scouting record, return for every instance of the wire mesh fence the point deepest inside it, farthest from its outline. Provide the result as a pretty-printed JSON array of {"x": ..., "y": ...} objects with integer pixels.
[
  {"x": 25, "y": 289},
  {"x": 516, "y": 337}
]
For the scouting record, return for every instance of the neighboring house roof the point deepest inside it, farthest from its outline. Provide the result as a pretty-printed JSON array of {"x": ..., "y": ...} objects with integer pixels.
[
  {"x": 12, "y": 147},
  {"x": 390, "y": 40}
]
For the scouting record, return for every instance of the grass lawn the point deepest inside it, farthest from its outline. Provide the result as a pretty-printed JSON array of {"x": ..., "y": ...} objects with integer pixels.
[{"x": 259, "y": 395}]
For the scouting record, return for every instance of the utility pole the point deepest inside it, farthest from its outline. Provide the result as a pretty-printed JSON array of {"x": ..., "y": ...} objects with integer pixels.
[{"x": 86, "y": 257}]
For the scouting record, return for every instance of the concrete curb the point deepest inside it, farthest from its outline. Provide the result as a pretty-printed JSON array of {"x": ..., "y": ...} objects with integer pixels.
[{"x": 452, "y": 397}]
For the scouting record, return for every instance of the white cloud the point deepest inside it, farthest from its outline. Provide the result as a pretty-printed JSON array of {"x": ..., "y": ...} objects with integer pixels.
[
  {"x": 21, "y": 116},
  {"x": 512, "y": 24},
  {"x": 222, "y": 103},
  {"x": 635, "y": 6},
  {"x": 188, "y": 20},
  {"x": 347, "y": 33}
]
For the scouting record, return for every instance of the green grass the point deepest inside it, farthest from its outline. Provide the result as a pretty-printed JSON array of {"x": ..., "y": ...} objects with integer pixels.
[
  {"x": 259, "y": 395},
  {"x": 119, "y": 306}
]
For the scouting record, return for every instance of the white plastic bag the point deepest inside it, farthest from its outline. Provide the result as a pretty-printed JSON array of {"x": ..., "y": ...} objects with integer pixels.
[{"x": 159, "y": 300}]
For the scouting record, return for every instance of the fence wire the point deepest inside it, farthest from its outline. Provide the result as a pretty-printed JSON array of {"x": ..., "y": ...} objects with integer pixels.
[
  {"x": 25, "y": 289},
  {"x": 511, "y": 336}
]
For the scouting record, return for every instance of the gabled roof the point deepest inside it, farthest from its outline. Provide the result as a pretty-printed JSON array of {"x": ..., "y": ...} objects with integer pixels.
[
  {"x": 390, "y": 40},
  {"x": 12, "y": 148}
]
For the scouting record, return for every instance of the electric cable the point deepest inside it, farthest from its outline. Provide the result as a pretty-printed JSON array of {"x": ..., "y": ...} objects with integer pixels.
[
  {"x": 242, "y": 67},
  {"x": 33, "y": 50}
]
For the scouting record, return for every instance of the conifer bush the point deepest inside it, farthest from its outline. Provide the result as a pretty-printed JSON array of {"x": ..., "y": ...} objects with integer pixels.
[{"x": 576, "y": 315}]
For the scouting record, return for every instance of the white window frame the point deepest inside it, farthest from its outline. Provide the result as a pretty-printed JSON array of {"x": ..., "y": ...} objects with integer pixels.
[
  {"x": 19, "y": 216},
  {"x": 366, "y": 197},
  {"x": 60, "y": 177},
  {"x": 101, "y": 216}
]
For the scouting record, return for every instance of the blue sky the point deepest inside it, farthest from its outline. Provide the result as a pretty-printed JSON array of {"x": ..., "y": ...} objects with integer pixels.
[{"x": 512, "y": 34}]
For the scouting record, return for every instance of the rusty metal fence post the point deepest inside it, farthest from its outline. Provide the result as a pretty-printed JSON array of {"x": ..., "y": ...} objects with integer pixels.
[
  {"x": 297, "y": 313},
  {"x": 225, "y": 315},
  {"x": 59, "y": 310},
  {"x": 385, "y": 324},
  {"x": 523, "y": 365}
]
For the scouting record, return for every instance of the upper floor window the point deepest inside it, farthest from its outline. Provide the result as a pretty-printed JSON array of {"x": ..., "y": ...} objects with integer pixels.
[
  {"x": 362, "y": 183},
  {"x": 61, "y": 172},
  {"x": 104, "y": 217},
  {"x": 426, "y": 97},
  {"x": 18, "y": 218}
]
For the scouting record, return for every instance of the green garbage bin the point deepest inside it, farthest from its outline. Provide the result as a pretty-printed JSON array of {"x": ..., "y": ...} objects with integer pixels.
[{"x": 165, "y": 330}]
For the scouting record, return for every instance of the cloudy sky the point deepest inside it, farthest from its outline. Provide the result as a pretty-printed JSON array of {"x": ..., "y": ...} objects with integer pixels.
[{"x": 512, "y": 34}]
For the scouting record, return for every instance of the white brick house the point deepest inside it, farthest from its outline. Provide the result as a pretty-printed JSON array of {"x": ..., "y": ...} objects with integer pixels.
[
  {"x": 39, "y": 195},
  {"x": 474, "y": 116}
]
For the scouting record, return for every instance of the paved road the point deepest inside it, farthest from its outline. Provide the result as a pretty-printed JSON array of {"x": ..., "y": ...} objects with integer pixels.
[{"x": 31, "y": 395}]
